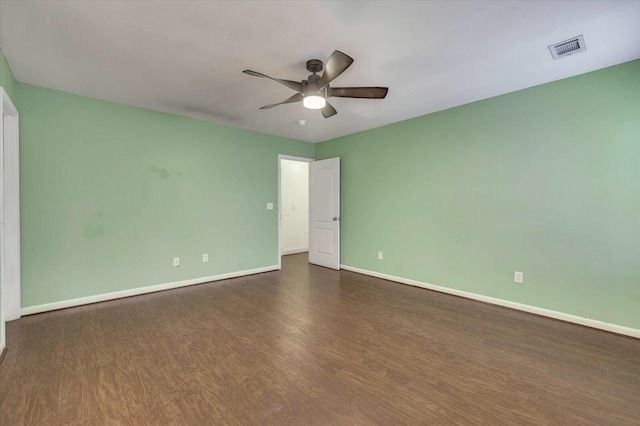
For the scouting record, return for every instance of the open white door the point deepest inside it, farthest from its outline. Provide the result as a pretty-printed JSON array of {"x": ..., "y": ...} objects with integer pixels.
[{"x": 324, "y": 223}]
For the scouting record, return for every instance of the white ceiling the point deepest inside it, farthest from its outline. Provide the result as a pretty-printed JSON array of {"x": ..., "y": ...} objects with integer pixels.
[{"x": 187, "y": 57}]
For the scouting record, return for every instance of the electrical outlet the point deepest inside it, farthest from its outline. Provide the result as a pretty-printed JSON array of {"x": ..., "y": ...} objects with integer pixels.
[
  {"x": 205, "y": 257},
  {"x": 518, "y": 277},
  {"x": 380, "y": 256},
  {"x": 176, "y": 261}
]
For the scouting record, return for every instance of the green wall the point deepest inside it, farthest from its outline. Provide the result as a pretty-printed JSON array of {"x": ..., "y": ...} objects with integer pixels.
[
  {"x": 545, "y": 181},
  {"x": 111, "y": 193},
  {"x": 6, "y": 77}
]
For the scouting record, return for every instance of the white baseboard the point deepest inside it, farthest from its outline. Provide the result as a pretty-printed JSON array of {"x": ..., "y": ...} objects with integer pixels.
[
  {"x": 140, "y": 290},
  {"x": 295, "y": 251},
  {"x": 614, "y": 328}
]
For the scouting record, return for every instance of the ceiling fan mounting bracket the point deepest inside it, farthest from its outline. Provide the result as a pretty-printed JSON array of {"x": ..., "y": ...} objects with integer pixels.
[{"x": 314, "y": 65}]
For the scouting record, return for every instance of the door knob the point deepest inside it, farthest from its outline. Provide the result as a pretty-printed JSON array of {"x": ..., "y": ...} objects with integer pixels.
[{"x": 336, "y": 218}]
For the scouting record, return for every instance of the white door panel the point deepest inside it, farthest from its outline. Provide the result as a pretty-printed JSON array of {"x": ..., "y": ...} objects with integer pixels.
[
  {"x": 324, "y": 241},
  {"x": 324, "y": 233}
]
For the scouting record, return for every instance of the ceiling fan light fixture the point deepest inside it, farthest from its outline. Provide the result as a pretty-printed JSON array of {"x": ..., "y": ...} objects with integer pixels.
[
  {"x": 314, "y": 102},
  {"x": 315, "y": 90}
]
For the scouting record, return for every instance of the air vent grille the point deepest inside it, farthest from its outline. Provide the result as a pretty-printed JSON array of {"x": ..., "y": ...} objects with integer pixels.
[{"x": 568, "y": 47}]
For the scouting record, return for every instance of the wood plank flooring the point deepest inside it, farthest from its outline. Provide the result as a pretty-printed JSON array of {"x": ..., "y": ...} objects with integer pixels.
[{"x": 312, "y": 346}]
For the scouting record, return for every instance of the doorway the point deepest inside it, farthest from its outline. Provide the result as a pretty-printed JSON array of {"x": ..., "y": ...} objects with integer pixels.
[
  {"x": 309, "y": 220},
  {"x": 9, "y": 215},
  {"x": 293, "y": 205}
]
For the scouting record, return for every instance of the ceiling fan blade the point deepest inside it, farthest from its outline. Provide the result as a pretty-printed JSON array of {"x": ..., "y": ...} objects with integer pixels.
[
  {"x": 328, "y": 111},
  {"x": 337, "y": 63},
  {"x": 290, "y": 84},
  {"x": 359, "y": 92},
  {"x": 295, "y": 98}
]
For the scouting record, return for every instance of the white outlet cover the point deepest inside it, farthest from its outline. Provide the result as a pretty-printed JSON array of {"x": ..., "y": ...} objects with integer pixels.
[
  {"x": 518, "y": 277},
  {"x": 176, "y": 261},
  {"x": 269, "y": 206},
  {"x": 205, "y": 257}
]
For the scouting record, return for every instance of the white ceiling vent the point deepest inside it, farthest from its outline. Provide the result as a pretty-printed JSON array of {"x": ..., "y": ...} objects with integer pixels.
[{"x": 568, "y": 47}]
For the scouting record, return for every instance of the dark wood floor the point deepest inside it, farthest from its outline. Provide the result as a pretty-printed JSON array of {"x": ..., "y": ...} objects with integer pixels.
[{"x": 309, "y": 346}]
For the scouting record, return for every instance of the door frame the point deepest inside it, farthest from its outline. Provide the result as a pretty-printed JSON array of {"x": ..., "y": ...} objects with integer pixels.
[
  {"x": 9, "y": 214},
  {"x": 280, "y": 158}
]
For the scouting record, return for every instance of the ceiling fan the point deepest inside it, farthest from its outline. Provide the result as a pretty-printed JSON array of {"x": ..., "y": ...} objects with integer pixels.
[{"x": 315, "y": 90}]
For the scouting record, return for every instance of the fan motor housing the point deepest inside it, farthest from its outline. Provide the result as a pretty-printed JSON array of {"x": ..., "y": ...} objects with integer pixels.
[{"x": 311, "y": 86}]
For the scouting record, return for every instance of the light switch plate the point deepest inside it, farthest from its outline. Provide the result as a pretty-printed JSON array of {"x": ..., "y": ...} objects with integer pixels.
[
  {"x": 518, "y": 277},
  {"x": 269, "y": 206}
]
